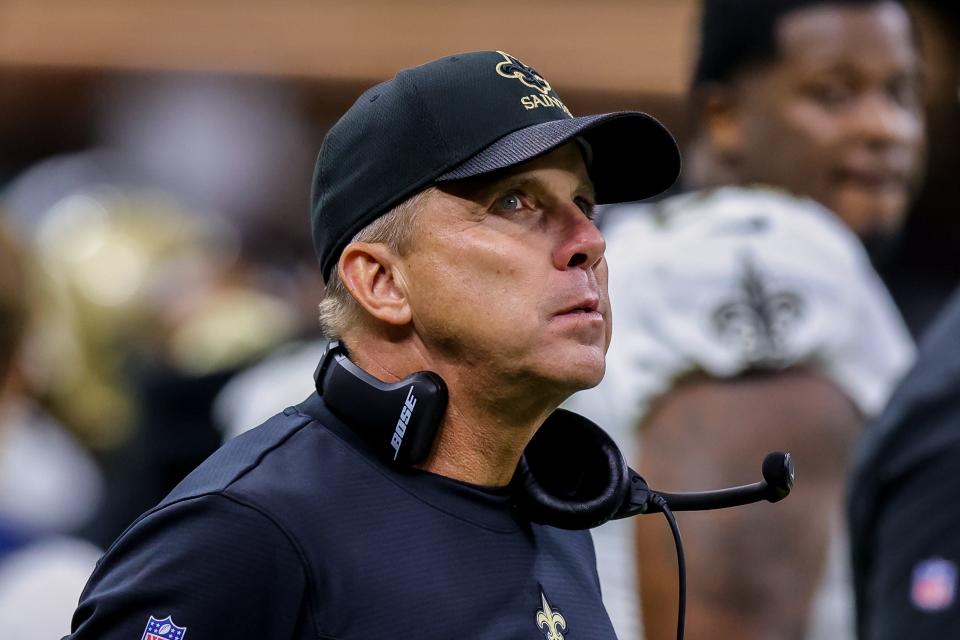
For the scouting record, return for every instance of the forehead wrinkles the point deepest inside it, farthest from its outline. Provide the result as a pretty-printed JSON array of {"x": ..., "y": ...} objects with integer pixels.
[{"x": 873, "y": 36}]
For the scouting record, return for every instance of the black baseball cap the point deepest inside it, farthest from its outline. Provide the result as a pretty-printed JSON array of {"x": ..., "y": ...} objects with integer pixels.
[{"x": 463, "y": 116}]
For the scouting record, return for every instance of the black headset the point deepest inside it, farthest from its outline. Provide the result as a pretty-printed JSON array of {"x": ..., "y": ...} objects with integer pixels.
[{"x": 571, "y": 475}]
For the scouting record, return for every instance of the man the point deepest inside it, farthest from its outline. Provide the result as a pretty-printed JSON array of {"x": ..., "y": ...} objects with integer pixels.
[
  {"x": 817, "y": 97},
  {"x": 903, "y": 497},
  {"x": 451, "y": 216},
  {"x": 749, "y": 319}
]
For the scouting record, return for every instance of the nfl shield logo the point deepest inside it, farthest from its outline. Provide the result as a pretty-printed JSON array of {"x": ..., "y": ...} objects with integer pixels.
[
  {"x": 163, "y": 630},
  {"x": 934, "y": 584}
]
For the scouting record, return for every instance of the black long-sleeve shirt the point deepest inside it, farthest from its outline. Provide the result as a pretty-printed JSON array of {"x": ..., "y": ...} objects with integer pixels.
[{"x": 297, "y": 530}]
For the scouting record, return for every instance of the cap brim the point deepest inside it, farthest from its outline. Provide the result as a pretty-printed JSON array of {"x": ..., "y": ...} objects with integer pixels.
[{"x": 634, "y": 156}]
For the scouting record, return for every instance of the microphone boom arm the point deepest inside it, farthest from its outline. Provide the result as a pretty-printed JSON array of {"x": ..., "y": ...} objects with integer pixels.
[{"x": 778, "y": 478}]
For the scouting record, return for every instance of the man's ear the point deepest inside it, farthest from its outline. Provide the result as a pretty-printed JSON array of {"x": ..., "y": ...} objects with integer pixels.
[
  {"x": 721, "y": 118},
  {"x": 369, "y": 272}
]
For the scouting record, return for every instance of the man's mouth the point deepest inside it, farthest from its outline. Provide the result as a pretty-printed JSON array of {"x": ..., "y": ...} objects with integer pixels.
[
  {"x": 872, "y": 179},
  {"x": 585, "y": 312},
  {"x": 587, "y": 305}
]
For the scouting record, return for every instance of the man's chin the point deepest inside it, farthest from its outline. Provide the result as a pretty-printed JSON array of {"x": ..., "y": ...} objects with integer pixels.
[
  {"x": 579, "y": 376},
  {"x": 876, "y": 219},
  {"x": 863, "y": 210}
]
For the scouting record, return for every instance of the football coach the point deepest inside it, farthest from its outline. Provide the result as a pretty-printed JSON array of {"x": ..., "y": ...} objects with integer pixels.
[{"x": 466, "y": 299}]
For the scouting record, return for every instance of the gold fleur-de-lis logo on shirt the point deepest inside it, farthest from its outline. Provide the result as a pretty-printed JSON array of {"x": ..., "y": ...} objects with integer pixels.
[{"x": 550, "y": 621}]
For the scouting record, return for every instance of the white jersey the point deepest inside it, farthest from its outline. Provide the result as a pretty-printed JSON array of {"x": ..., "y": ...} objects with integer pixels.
[{"x": 720, "y": 282}]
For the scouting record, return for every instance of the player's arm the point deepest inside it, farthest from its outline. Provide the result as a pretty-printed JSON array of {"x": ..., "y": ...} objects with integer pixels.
[
  {"x": 218, "y": 567},
  {"x": 751, "y": 571}
]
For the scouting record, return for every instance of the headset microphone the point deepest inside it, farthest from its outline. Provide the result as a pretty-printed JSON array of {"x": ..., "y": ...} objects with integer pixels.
[
  {"x": 778, "y": 477},
  {"x": 572, "y": 475}
]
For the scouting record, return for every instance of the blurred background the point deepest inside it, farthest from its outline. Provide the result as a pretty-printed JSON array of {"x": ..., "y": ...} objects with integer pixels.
[{"x": 155, "y": 166}]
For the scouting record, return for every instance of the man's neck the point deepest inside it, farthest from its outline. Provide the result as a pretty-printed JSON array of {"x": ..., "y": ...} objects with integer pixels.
[
  {"x": 479, "y": 442},
  {"x": 487, "y": 423}
]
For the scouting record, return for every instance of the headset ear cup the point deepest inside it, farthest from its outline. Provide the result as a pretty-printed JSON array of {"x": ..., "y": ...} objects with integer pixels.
[{"x": 571, "y": 475}]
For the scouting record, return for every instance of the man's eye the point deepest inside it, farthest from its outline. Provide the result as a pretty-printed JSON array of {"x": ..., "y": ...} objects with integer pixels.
[
  {"x": 510, "y": 202},
  {"x": 831, "y": 94},
  {"x": 588, "y": 208}
]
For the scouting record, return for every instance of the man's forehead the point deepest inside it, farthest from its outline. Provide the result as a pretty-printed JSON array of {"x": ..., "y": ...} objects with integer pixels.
[{"x": 821, "y": 32}]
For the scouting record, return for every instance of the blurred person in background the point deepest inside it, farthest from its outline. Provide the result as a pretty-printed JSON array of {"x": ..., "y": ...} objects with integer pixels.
[
  {"x": 42, "y": 571},
  {"x": 823, "y": 102},
  {"x": 925, "y": 267},
  {"x": 151, "y": 312},
  {"x": 750, "y": 317},
  {"x": 903, "y": 493},
  {"x": 159, "y": 296}
]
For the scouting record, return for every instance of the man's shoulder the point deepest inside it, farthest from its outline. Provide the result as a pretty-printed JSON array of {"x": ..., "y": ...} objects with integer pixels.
[
  {"x": 280, "y": 465},
  {"x": 727, "y": 280},
  {"x": 245, "y": 455},
  {"x": 251, "y": 485}
]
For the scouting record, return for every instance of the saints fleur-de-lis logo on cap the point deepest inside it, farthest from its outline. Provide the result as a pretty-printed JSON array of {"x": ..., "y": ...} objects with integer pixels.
[
  {"x": 512, "y": 68},
  {"x": 550, "y": 621}
]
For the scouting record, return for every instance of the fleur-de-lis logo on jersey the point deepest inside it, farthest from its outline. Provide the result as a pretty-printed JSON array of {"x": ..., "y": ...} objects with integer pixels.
[
  {"x": 512, "y": 68},
  {"x": 758, "y": 320},
  {"x": 550, "y": 621}
]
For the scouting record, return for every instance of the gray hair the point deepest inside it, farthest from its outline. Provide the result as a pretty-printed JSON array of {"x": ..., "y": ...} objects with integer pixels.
[{"x": 338, "y": 309}]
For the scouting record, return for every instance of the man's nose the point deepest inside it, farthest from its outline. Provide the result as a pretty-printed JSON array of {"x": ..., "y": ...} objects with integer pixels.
[
  {"x": 581, "y": 244},
  {"x": 882, "y": 121}
]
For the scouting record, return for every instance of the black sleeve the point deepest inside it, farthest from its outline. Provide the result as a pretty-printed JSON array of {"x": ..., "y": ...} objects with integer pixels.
[
  {"x": 220, "y": 568},
  {"x": 912, "y": 589}
]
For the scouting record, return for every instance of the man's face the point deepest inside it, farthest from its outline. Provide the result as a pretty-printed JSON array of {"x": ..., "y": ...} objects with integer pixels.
[
  {"x": 507, "y": 277},
  {"x": 837, "y": 115}
]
